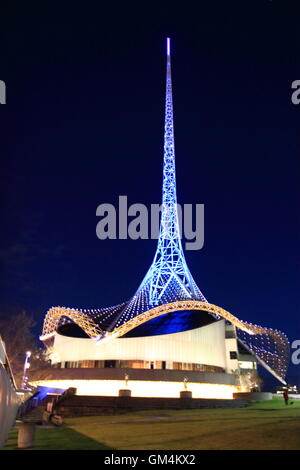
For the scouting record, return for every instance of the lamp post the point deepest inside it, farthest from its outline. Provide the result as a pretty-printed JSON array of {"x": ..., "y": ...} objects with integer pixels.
[{"x": 26, "y": 366}]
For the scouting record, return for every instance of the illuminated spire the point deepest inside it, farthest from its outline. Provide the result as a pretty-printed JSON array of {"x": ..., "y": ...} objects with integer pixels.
[{"x": 168, "y": 278}]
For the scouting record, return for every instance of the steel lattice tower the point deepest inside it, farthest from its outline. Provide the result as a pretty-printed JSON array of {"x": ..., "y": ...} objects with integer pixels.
[{"x": 168, "y": 278}]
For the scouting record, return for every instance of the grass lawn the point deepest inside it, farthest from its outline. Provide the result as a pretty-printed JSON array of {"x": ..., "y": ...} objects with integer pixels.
[{"x": 267, "y": 425}]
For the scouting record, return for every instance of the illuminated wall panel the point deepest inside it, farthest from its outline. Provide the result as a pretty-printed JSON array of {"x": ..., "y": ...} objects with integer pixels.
[
  {"x": 142, "y": 388},
  {"x": 204, "y": 345}
]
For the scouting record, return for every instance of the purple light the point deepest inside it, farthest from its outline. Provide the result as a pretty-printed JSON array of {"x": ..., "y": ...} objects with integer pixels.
[{"x": 168, "y": 46}]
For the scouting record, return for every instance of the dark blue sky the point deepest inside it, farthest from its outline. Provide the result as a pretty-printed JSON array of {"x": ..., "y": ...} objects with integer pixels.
[{"x": 83, "y": 124}]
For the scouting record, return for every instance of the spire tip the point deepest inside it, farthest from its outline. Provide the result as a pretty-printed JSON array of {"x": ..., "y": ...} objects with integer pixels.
[{"x": 168, "y": 46}]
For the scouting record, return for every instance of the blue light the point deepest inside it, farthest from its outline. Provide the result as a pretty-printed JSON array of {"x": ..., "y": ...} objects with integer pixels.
[{"x": 168, "y": 46}]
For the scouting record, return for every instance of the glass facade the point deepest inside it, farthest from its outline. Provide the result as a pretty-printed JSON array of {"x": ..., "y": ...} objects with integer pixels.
[{"x": 139, "y": 364}]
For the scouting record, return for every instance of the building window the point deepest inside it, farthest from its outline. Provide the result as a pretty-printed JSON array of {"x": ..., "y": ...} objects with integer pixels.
[
  {"x": 87, "y": 364},
  {"x": 247, "y": 365},
  {"x": 99, "y": 364},
  {"x": 233, "y": 355},
  {"x": 196, "y": 367},
  {"x": 110, "y": 364}
]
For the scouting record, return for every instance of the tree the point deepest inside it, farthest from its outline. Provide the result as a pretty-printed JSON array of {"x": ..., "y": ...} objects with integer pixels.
[{"x": 16, "y": 332}]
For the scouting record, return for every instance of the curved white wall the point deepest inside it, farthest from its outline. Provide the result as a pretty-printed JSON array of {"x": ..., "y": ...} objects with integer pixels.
[{"x": 204, "y": 345}]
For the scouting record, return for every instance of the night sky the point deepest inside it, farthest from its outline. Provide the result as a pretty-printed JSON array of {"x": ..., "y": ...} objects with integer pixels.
[{"x": 83, "y": 124}]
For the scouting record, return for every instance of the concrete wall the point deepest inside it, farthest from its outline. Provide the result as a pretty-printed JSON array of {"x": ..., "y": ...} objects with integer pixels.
[
  {"x": 204, "y": 345},
  {"x": 253, "y": 396},
  {"x": 231, "y": 345},
  {"x": 134, "y": 374},
  {"x": 9, "y": 401},
  {"x": 93, "y": 406}
]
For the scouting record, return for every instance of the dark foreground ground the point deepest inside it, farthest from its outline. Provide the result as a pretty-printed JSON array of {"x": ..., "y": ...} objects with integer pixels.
[{"x": 267, "y": 425}]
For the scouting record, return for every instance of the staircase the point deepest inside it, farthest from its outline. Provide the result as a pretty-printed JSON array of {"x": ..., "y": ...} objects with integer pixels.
[{"x": 33, "y": 410}]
